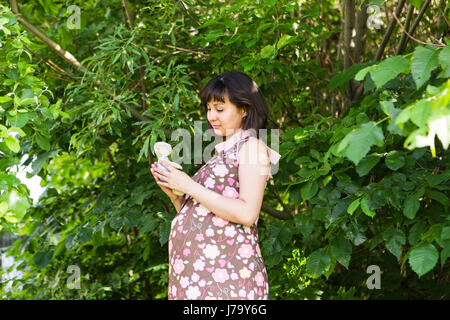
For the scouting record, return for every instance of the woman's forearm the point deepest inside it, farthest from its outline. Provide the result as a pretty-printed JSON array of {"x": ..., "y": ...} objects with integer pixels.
[
  {"x": 234, "y": 210},
  {"x": 177, "y": 202}
]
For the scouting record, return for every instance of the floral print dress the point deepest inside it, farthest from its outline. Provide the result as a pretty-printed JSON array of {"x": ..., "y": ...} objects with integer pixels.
[{"x": 209, "y": 257}]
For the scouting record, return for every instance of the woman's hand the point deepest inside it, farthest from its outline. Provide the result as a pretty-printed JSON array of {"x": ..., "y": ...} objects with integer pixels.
[
  {"x": 174, "y": 179},
  {"x": 166, "y": 190}
]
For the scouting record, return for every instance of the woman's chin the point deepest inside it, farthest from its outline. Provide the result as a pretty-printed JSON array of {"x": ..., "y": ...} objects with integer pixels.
[{"x": 217, "y": 130}]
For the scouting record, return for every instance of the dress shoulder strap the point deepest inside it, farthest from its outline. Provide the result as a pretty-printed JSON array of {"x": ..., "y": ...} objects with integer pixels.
[{"x": 239, "y": 144}]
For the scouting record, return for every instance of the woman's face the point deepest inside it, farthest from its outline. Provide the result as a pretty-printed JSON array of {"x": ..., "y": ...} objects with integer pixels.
[{"x": 224, "y": 117}]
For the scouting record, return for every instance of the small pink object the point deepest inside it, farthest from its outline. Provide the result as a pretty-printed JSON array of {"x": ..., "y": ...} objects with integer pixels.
[{"x": 230, "y": 242}]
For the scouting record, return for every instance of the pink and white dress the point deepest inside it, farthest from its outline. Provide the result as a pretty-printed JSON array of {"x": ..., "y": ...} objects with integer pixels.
[{"x": 209, "y": 257}]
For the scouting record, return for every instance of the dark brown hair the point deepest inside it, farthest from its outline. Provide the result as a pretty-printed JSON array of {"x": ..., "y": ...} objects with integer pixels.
[{"x": 243, "y": 92}]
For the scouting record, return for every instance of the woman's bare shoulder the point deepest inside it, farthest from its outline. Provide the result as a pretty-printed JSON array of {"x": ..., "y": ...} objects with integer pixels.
[{"x": 254, "y": 151}]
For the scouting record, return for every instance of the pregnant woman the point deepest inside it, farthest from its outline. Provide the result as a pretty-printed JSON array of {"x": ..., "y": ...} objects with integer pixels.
[{"x": 213, "y": 242}]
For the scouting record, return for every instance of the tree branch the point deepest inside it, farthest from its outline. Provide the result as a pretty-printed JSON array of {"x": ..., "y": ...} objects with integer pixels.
[
  {"x": 279, "y": 200},
  {"x": 188, "y": 50},
  {"x": 130, "y": 18},
  {"x": 275, "y": 213},
  {"x": 416, "y": 23},
  {"x": 360, "y": 34},
  {"x": 141, "y": 71},
  {"x": 52, "y": 65},
  {"x": 389, "y": 31},
  {"x": 185, "y": 7},
  {"x": 419, "y": 41},
  {"x": 67, "y": 56},
  {"x": 401, "y": 45},
  {"x": 349, "y": 17}
]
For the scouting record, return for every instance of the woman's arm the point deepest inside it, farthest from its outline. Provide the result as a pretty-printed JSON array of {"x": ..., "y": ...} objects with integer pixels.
[
  {"x": 177, "y": 202},
  {"x": 253, "y": 172}
]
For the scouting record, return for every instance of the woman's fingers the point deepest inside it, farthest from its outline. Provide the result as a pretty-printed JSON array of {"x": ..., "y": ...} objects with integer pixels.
[
  {"x": 161, "y": 172},
  {"x": 155, "y": 174}
]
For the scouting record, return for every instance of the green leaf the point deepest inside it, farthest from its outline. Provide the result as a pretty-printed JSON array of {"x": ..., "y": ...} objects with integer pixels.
[
  {"x": 277, "y": 236},
  {"x": 267, "y": 51},
  {"x": 395, "y": 160},
  {"x": 284, "y": 40},
  {"x": 438, "y": 196},
  {"x": 12, "y": 143},
  {"x": 389, "y": 109},
  {"x": 444, "y": 61},
  {"x": 176, "y": 101},
  {"x": 146, "y": 253},
  {"x": 18, "y": 130},
  {"x": 341, "y": 249},
  {"x": 4, "y": 99},
  {"x": 3, "y": 208},
  {"x": 69, "y": 242},
  {"x": 27, "y": 101},
  {"x": 423, "y": 258},
  {"x": 42, "y": 142},
  {"x": 445, "y": 252},
  {"x": 376, "y": 240},
  {"x": 353, "y": 206},
  {"x": 355, "y": 232},
  {"x": 304, "y": 223},
  {"x": 367, "y": 163},
  {"x": 361, "y": 74},
  {"x": 148, "y": 225},
  {"x": 309, "y": 190},
  {"x": 394, "y": 239},
  {"x": 436, "y": 179},
  {"x": 445, "y": 233},
  {"x": 294, "y": 194},
  {"x": 411, "y": 206},
  {"x": 424, "y": 60},
  {"x": 416, "y": 232},
  {"x": 320, "y": 213},
  {"x": 43, "y": 258},
  {"x": 342, "y": 79},
  {"x": 164, "y": 233},
  {"x": 19, "y": 120},
  {"x": 420, "y": 112},
  {"x": 388, "y": 70},
  {"x": 318, "y": 262},
  {"x": 417, "y": 3},
  {"x": 10, "y": 179},
  {"x": 365, "y": 208},
  {"x": 40, "y": 161},
  {"x": 116, "y": 222},
  {"x": 214, "y": 35},
  {"x": 358, "y": 142},
  {"x": 85, "y": 234}
]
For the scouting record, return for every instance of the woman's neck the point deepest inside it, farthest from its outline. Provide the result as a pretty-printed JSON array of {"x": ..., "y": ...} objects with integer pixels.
[{"x": 234, "y": 133}]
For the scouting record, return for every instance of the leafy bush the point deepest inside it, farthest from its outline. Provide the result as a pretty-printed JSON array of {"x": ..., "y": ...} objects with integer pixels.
[{"x": 361, "y": 181}]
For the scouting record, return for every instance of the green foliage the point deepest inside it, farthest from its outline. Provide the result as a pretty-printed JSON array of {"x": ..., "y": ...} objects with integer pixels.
[{"x": 369, "y": 187}]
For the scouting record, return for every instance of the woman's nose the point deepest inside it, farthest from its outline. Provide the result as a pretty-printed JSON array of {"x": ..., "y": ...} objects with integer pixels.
[{"x": 212, "y": 116}]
